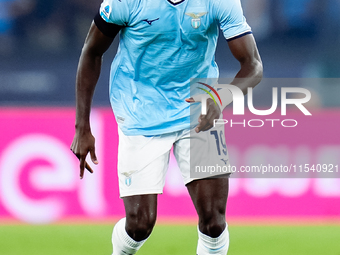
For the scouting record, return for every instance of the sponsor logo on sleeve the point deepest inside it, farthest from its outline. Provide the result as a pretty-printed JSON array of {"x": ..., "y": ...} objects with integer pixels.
[{"x": 105, "y": 13}]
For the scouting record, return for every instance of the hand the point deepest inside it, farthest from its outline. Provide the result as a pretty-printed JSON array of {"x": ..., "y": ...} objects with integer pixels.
[
  {"x": 205, "y": 122},
  {"x": 83, "y": 143}
]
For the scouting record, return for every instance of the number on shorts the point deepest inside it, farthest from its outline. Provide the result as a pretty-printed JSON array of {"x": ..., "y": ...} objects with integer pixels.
[{"x": 219, "y": 139}]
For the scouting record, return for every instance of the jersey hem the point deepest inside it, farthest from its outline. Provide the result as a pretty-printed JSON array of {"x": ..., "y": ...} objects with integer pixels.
[
  {"x": 141, "y": 192},
  {"x": 136, "y": 132}
]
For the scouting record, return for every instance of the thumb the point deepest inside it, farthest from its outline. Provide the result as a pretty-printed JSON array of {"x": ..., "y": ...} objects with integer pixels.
[{"x": 93, "y": 156}]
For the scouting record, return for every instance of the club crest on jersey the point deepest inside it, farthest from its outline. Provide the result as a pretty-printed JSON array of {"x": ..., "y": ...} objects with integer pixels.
[
  {"x": 128, "y": 181},
  {"x": 196, "y": 18}
]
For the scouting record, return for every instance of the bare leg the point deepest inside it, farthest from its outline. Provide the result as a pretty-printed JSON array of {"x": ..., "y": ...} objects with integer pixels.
[
  {"x": 141, "y": 213},
  {"x": 210, "y": 199}
]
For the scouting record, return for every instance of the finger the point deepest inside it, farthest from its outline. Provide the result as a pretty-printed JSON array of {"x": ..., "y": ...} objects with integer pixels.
[
  {"x": 201, "y": 123},
  {"x": 82, "y": 166},
  {"x": 73, "y": 151},
  {"x": 93, "y": 156},
  {"x": 87, "y": 166},
  {"x": 190, "y": 100},
  {"x": 197, "y": 129},
  {"x": 206, "y": 121},
  {"x": 206, "y": 127},
  {"x": 72, "y": 148},
  {"x": 207, "y": 124}
]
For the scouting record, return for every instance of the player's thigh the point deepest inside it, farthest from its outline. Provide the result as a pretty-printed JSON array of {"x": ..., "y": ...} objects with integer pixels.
[
  {"x": 142, "y": 164},
  {"x": 202, "y": 155},
  {"x": 208, "y": 189}
]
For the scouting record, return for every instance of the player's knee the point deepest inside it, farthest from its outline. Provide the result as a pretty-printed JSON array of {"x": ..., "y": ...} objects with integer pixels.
[
  {"x": 212, "y": 223},
  {"x": 213, "y": 228},
  {"x": 139, "y": 225}
]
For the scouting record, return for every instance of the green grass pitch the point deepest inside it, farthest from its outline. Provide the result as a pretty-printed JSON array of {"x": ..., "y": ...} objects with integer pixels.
[{"x": 169, "y": 239}]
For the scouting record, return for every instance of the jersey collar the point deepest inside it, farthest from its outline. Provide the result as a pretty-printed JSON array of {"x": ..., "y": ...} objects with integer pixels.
[{"x": 175, "y": 2}]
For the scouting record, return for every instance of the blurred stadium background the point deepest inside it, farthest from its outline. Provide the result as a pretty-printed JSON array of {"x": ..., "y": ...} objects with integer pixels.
[{"x": 45, "y": 209}]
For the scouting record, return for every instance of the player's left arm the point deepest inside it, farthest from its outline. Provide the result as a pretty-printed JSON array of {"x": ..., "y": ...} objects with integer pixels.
[{"x": 244, "y": 49}]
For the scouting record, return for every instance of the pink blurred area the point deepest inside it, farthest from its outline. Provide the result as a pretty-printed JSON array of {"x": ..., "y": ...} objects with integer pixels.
[{"x": 39, "y": 177}]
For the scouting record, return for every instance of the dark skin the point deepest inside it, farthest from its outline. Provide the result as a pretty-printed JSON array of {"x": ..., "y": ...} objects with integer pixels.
[
  {"x": 250, "y": 74},
  {"x": 96, "y": 44},
  {"x": 208, "y": 195}
]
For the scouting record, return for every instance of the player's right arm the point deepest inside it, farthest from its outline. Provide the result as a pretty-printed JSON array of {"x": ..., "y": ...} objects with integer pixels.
[{"x": 88, "y": 72}]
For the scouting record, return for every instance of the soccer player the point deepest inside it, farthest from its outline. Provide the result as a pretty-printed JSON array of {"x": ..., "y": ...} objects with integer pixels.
[{"x": 163, "y": 44}]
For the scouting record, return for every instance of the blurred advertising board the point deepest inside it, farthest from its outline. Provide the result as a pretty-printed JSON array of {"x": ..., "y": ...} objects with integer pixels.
[{"x": 39, "y": 176}]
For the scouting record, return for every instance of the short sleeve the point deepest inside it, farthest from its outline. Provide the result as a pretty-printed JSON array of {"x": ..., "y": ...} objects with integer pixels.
[
  {"x": 231, "y": 19},
  {"x": 115, "y": 11}
]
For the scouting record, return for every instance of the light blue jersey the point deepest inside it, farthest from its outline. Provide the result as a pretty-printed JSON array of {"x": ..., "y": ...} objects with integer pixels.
[{"x": 162, "y": 46}]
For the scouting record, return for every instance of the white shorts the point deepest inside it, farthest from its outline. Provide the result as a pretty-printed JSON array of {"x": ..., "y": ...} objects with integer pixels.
[{"x": 143, "y": 160}]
